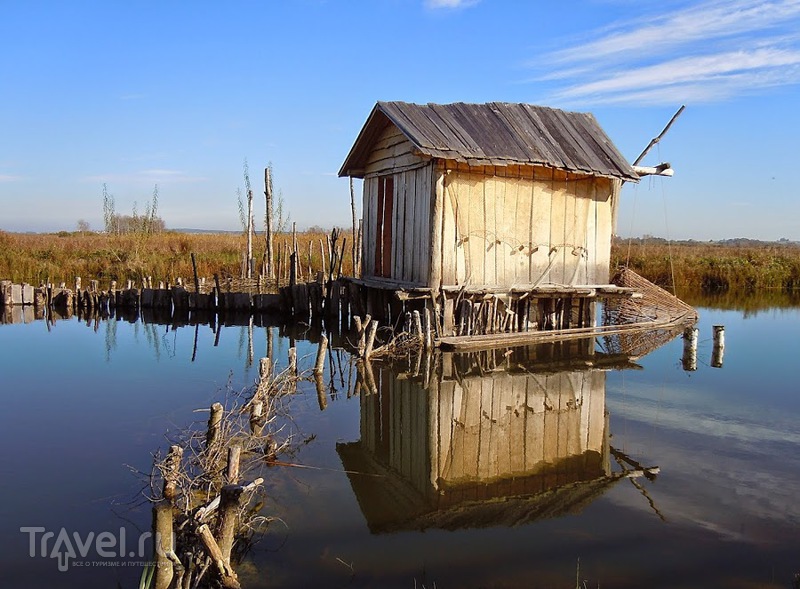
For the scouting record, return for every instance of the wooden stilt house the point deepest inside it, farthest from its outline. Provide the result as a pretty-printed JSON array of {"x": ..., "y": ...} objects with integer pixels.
[{"x": 469, "y": 202}]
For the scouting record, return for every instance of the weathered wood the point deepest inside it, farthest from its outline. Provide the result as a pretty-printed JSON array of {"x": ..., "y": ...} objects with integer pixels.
[
  {"x": 269, "y": 224},
  {"x": 434, "y": 274},
  {"x": 718, "y": 351},
  {"x": 214, "y": 425},
  {"x": 232, "y": 468},
  {"x": 226, "y": 573},
  {"x": 689, "y": 359},
  {"x": 230, "y": 497},
  {"x": 172, "y": 469},
  {"x": 319, "y": 365},
  {"x": 162, "y": 544},
  {"x": 372, "y": 329}
]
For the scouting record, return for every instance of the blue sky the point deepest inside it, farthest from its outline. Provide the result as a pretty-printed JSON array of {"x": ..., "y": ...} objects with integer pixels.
[{"x": 179, "y": 94}]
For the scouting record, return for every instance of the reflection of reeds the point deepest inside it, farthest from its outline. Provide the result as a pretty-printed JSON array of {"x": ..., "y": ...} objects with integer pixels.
[{"x": 712, "y": 267}]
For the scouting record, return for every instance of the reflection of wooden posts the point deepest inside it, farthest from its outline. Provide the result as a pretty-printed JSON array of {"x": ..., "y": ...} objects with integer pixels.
[
  {"x": 369, "y": 377},
  {"x": 320, "y": 386},
  {"x": 172, "y": 472},
  {"x": 719, "y": 346},
  {"x": 162, "y": 544},
  {"x": 214, "y": 425},
  {"x": 427, "y": 341},
  {"x": 361, "y": 330},
  {"x": 689, "y": 359},
  {"x": 293, "y": 360},
  {"x": 319, "y": 365}
]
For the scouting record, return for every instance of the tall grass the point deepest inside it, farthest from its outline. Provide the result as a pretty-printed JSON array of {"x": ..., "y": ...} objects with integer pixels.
[
  {"x": 60, "y": 257},
  {"x": 713, "y": 267}
]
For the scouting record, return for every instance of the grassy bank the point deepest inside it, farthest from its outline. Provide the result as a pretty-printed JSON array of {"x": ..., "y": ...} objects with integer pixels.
[{"x": 36, "y": 258}]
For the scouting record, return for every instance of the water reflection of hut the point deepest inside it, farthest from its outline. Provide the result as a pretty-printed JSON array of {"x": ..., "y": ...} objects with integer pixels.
[{"x": 480, "y": 447}]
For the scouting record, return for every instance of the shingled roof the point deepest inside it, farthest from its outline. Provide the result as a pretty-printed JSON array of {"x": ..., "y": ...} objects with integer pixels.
[{"x": 495, "y": 133}]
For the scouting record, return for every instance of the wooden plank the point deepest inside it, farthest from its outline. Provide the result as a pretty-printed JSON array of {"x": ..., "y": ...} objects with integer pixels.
[
  {"x": 449, "y": 230},
  {"x": 434, "y": 257},
  {"x": 398, "y": 226},
  {"x": 424, "y": 197},
  {"x": 518, "y": 256},
  {"x": 370, "y": 216},
  {"x": 558, "y": 211},
  {"x": 583, "y": 212},
  {"x": 605, "y": 201},
  {"x": 489, "y": 234},
  {"x": 541, "y": 206},
  {"x": 394, "y": 164},
  {"x": 591, "y": 233}
]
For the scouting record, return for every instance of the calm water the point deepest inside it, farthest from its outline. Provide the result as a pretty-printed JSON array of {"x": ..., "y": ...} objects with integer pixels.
[{"x": 461, "y": 499}]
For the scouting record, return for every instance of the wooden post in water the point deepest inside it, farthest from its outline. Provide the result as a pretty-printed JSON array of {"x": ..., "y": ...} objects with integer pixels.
[
  {"x": 224, "y": 570},
  {"x": 293, "y": 360},
  {"x": 689, "y": 360},
  {"x": 232, "y": 470},
  {"x": 418, "y": 326},
  {"x": 230, "y": 495},
  {"x": 719, "y": 346},
  {"x": 214, "y": 425},
  {"x": 371, "y": 331},
  {"x": 162, "y": 544},
  {"x": 427, "y": 338},
  {"x": 172, "y": 469}
]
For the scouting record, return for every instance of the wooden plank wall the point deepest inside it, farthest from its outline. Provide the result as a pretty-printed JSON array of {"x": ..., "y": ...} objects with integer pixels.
[
  {"x": 502, "y": 223},
  {"x": 411, "y": 230}
]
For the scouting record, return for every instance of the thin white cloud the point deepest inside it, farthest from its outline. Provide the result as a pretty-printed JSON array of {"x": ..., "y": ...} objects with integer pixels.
[
  {"x": 698, "y": 23},
  {"x": 9, "y": 178},
  {"x": 449, "y": 4},
  {"x": 702, "y": 53}
]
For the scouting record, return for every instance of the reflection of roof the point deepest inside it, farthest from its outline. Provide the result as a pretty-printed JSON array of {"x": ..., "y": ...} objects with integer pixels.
[
  {"x": 390, "y": 503},
  {"x": 497, "y": 133}
]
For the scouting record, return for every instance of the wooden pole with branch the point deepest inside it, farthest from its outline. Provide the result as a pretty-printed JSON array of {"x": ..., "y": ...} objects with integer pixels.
[
  {"x": 355, "y": 229},
  {"x": 268, "y": 222}
]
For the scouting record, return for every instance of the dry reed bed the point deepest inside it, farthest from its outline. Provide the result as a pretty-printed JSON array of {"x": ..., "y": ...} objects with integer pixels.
[
  {"x": 36, "y": 258},
  {"x": 60, "y": 257},
  {"x": 713, "y": 267}
]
